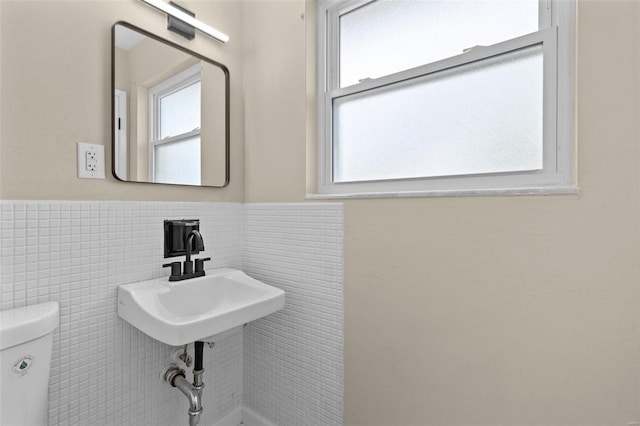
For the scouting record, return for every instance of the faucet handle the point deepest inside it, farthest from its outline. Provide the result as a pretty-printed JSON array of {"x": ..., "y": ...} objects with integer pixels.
[
  {"x": 200, "y": 264},
  {"x": 176, "y": 270}
]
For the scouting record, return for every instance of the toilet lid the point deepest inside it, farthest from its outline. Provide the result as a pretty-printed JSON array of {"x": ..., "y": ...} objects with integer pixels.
[{"x": 24, "y": 324}]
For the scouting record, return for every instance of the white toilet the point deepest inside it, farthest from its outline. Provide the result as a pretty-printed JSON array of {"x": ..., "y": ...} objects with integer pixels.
[{"x": 26, "y": 338}]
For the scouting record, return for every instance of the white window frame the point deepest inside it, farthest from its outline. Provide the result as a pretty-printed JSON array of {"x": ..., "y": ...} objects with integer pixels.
[
  {"x": 167, "y": 87},
  {"x": 557, "y": 23}
]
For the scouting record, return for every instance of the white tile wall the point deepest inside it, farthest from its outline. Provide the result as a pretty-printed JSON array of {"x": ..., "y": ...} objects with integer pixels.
[
  {"x": 293, "y": 358},
  {"x": 105, "y": 372}
]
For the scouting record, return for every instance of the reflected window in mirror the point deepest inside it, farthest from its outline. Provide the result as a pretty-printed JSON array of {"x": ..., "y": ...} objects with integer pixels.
[
  {"x": 175, "y": 117},
  {"x": 170, "y": 111}
]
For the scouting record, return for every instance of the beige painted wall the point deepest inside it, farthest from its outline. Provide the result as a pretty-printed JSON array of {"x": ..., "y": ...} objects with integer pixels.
[
  {"x": 274, "y": 84},
  {"x": 480, "y": 311},
  {"x": 56, "y": 91}
]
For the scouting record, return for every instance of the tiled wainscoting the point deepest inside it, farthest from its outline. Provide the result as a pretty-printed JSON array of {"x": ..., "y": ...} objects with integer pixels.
[
  {"x": 105, "y": 372},
  {"x": 293, "y": 358}
]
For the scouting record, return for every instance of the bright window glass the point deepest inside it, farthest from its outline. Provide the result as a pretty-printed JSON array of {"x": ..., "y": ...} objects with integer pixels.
[
  {"x": 180, "y": 111},
  {"x": 387, "y": 36},
  {"x": 178, "y": 162},
  {"x": 483, "y": 117}
]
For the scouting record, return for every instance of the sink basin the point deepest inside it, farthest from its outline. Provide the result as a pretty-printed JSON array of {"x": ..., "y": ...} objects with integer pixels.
[{"x": 181, "y": 312}]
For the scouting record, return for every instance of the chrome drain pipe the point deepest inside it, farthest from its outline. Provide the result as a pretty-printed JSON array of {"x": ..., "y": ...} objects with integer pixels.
[
  {"x": 193, "y": 394},
  {"x": 175, "y": 376}
]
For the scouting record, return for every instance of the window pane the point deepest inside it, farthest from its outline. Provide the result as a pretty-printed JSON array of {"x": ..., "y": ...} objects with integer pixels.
[
  {"x": 484, "y": 117},
  {"x": 178, "y": 162},
  {"x": 388, "y": 36},
  {"x": 180, "y": 111}
]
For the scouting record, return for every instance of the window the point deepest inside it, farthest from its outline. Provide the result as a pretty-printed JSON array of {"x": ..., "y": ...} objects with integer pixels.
[
  {"x": 174, "y": 149},
  {"x": 435, "y": 96}
]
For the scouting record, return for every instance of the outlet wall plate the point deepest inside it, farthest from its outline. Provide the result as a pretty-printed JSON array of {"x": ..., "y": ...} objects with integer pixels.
[{"x": 90, "y": 161}]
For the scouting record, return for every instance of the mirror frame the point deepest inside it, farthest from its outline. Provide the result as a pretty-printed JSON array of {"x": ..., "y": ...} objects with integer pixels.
[{"x": 227, "y": 121}]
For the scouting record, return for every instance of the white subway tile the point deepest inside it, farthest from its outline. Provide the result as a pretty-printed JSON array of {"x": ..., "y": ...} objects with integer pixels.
[
  {"x": 293, "y": 358},
  {"x": 105, "y": 372},
  {"x": 60, "y": 251}
]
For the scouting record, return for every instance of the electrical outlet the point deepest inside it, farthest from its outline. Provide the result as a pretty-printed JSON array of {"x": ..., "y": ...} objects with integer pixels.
[{"x": 90, "y": 161}]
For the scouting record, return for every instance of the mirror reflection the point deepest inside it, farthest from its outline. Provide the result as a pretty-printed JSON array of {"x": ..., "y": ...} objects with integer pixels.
[{"x": 170, "y": 112}]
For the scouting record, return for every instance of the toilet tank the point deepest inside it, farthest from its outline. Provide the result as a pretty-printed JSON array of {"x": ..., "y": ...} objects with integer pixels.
[{"x": 26, "y": 338}]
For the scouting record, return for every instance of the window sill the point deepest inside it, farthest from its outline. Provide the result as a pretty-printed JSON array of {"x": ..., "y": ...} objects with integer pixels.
[{"x": 552, "y": 190}]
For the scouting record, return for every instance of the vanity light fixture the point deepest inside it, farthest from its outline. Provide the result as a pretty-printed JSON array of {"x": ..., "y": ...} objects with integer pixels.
[{"x": 189, "y": 20}]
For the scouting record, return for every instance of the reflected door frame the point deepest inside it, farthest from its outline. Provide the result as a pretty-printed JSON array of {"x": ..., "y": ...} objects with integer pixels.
[{"x": 120, "y": 132}]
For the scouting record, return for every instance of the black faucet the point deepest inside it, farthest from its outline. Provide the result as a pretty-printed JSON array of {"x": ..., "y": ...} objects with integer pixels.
[
  {"x": 188, "y": 270},
  {"x": 188, "y": 264}
]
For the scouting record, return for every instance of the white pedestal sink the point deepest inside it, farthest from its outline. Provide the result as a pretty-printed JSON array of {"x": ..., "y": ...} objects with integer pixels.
[{"x": 181, "y": 312}]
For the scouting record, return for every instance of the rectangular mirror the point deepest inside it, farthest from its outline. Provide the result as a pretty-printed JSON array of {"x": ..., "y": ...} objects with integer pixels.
[{"x": 170, "y": 112}]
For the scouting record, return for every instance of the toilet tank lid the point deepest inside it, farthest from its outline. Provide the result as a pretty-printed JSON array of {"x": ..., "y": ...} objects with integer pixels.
[{"x": 21, "y": 325}]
